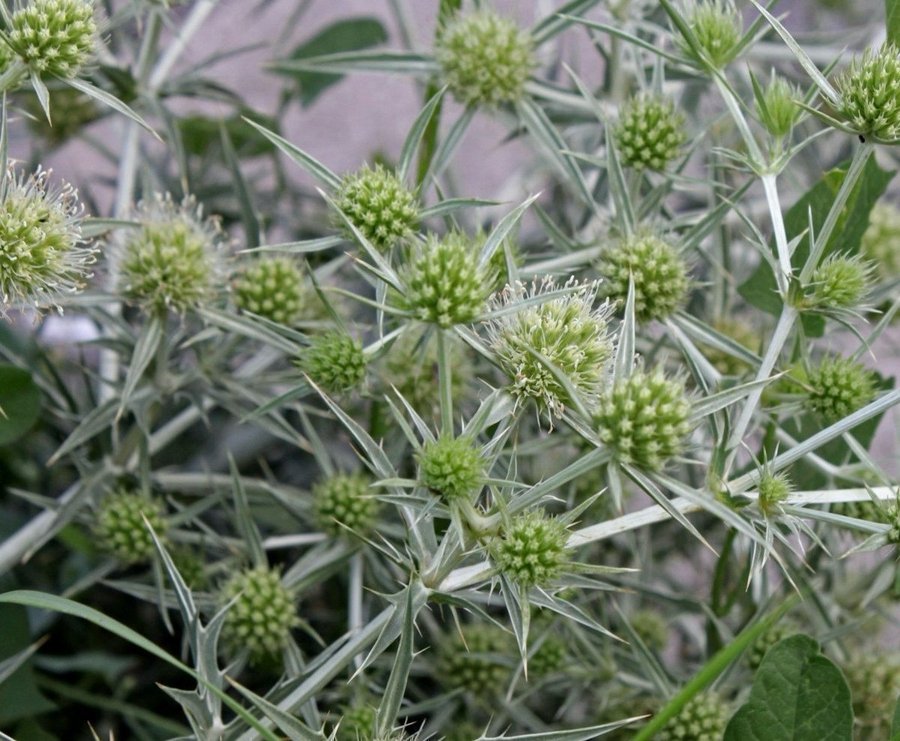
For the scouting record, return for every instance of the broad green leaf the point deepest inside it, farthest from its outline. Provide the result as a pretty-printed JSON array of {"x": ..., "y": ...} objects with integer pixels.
[
  {"x": 892, "y": 20},
  {"x": 798, "y": 695},
  {"x": 201, "y": 134},
  {"x": 20, "y": 403},
  {"x": 352, "y": 34},
  {"x": 20, "y": 697}
]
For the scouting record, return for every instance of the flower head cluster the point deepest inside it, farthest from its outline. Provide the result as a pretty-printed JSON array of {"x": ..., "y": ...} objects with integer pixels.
[
  {"x": 549, "y": 657},
  {"x": 344, "y": 503},
  {"x": 717, "y": 27},
  {"x": 773, "y": 489},
  {"x": 777, "y": 108},
  {"x": 170, "y": 262},
  {"x": 485, "y": 59},
  {"x": 443, "y": 282},
  {"x": 120, "y": 527},
  {"x": 478, "y": 661},
  {"x": 452, "y": 467},
  {"x": 838, "y": 387},
  {"x": 657, "y": 269},
  {"x": 703, "y": 718},
  {"x": 644, "y": 418},
  {"x": 42, "y": 252},
  {"x": 54, "y": 37},
  {"x": 531, "y": 549},
  {"x": 262, "y": 614},
  {"x": 649, "y": 133},
  {"x": 881, "y": 240},
  {"x": 334, "y": 361},
  {"x": 874, "y": 682},
  {"x": 272, "y": 288},
  {"x": 375, "y": 200},
  {"x": 564, "y": 335},
  {"x": 841, "y": 282},
  {"x": 760, "y": 647},
  {"x": 651, "y": 628},
  {"x": 870, "y": 94},
  {"x": 357, "y": 724}
]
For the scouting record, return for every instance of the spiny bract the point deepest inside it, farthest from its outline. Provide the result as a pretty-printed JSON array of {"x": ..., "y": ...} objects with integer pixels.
[
  {"x": 657, "y": 269},
  {"x": 649, "y": 133},
  {"x": 335, "y": 361},
  {"x": 120, "y": 528},
  {"x": 838, "y": 387},
  {"x": 870, "y": 94},
  {"x": 703, "y": 718},
  {"x": 54, "y": 37},
  {"x": 272, "y": 288},
  {"x": 485, "y": 59},
  {"x": 644, "y": 418},
  {"x": 452, "y": 467},
  {"x": 344, "y": 503},
  {"x": 378, "y": 204},
  {"x": 531, "y": 549},
  {"x": 778, "y": 110}
]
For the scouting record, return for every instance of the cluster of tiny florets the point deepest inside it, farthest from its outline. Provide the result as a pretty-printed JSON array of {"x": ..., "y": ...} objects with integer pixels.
[
  {"x": 778, "y": 109},
  {"x": 485, "y": 59},
  {"x": 549, "y": 657},
  {"x": 881, "y": 240},
  {"x": 649, "y": 133},
  {"x": 170, "y": 262},
  {"x": 443, "y": 283},
  {"x": 42, "y": 252},
  {"x": 120, "y": 527},
  {"x": 657, "y": 269},
  {"x": 760, "y": 647},
  {"x": 452, "y": 467},
  {"x": 651, "y": 628},
  {"x": 703, "y": 718},
  {"x": 717, "y": 27},
  {"x": 870, "y": 94},
  {"x": 356, "y": 724},
  {"x": 566, "y": 333},
  {"x": 874, "y": 682},
  {"x": 344, "y": 503},
  {"x": 375, "y": 200},
  {"x": 262, "y": 614},
  {"x": 773, "y": 489},
  {"x": 54, "y": 37},
  {"x": 477, "y": 662},
  {"x": 335, "y": 361},
  {"x": 531, "y": 549},
  {"x": 841, "y": 282},
  {"x": 838, "y": 387},
  {"x": 272, "y": 288},
  {"x": 644, "y": 418}
]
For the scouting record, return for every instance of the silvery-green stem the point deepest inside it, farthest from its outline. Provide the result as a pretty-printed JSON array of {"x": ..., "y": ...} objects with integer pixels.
[
  {"x": 445, "y": 383},
  {"x": 355, "y": 599},
  {"x": 781, "y": 242}
]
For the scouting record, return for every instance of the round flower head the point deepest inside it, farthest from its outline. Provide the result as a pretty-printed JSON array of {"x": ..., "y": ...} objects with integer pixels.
[
  {"x": 476, "y": 662},
  {"x": 170, "y": 263},
  {"x": 773, "y": 489},
  {"x": 840, "y": 282},
  {"x": 262, "y": 615},
  {"x": 343, "y": 504},
  {"x": 443, "y": 283},
  {"x": 760, "y": 647},
  {"x": 531, "y": 549},
  {"x": 874, "y": 686},
  {"x": 651, "y": 628},
  {"x": 452, "y": 467},
  {"x": 334, "y": 361},
  {"x": 717, "y": 27},
  {"x": 644, "y": 418},
  {"x": 484, "y": 59},
  {"x": 42, "y": 252},
  {"x": 565, "y": 332},
  {"x": 379, "y": 205},
  {"x": 778, "y": 110},
  {"x": 881, "y": 240},
  {"x": 838, "y": 387},
  {"x": 657, "y": 269},
  {"x": 870, "y": 94},
  {"x": 120, "y": 528},
  {"x": 703, "y": 718},
  {"x": 54, "y": 37},
  {"x": 357, "y": 724},
  {"x": 549, "y": 657},
  {"x": 649, "y": 133},
  {"x": 273, "y": 288}
]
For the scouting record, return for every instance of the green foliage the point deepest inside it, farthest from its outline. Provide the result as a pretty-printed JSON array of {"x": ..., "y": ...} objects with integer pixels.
[{"x": 20, "y": 403}]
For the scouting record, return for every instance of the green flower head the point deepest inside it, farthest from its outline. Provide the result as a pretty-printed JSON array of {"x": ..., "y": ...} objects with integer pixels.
[
  {"x": 838, "y": 387},
  {"x": 778, "y": 109},
  {"x": 649, "y": 133},
  {"x": 452, "y": 467},
  {"x": 334, "y": 361},
  {"x": 874, "y": 686},
  {"x": 761, "y": 646},
  {"x": 531, "y": 549},
  {"x": 378, "y": 204},
  {"x": 272, "y": 288},
  {"x": 54, "y": 37},
  {"x": 344, "y": 504},
  {"x": 717, "y": 28},
  {"x": 477, "y": 661},
  {"x": 485, "y": 59},
  {"x": 840, "y": 282},
  {"x": 773, "y": 489},
  {"x": 881, "y": 240},
  {"x": 703, "y": 718},
  {"x": 870, "y": 95},
  {"x": 120, "y": 528}
]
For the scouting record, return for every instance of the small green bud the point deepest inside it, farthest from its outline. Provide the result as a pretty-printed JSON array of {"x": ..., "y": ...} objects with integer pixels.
[
  {"x": 334, "y": 361},
  {"x": 262, "y": 615},
  {"x": 840, "y": 282},
  {"x": 42, "y": 252},
  {"x": 272, "y": 288},
  {"x": 718, "y": 28},
  {"x": 443, "y": 283},
  {"x": 452, "y": 467},
  {"x": 870, "y": 94},
  {"x": 703, "y": 718},
  {"x": 651, "y": 628},
  {"x": 170, "y": 262},
  {"x": 644, "y": 418},
  {"x": 531, "y": 549},
  {"x": 881, "y": 240},
  {"x": 485, "y": 59},
  {"x": 477, "y": 662},
  {"x": 760, "y": 647},
  {"x": 649, "y": 133},
  {"x": 344, "y": 504},
  {"x": 566, "y": 332},
  {"x": 657, "y": 269},
  {"x": 120, "y": 527},
  {"x": 778, "y": 110},
  {"x": 54, "y": 37},
  {"x": 838, "y": 387},
  {"x": 874, "y": 682},
  {"x": 773, "y": 489},
  {"x": 379, "y": 205}
]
